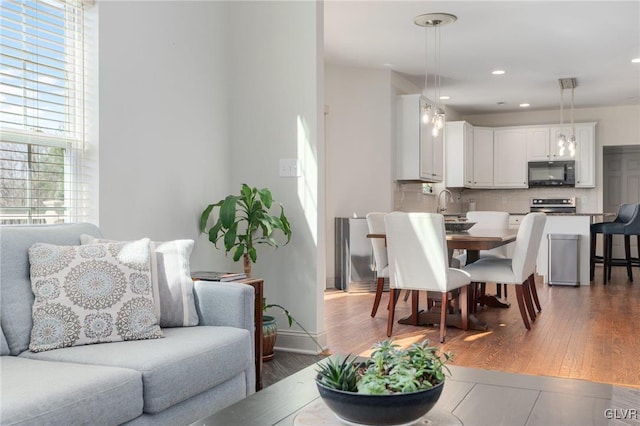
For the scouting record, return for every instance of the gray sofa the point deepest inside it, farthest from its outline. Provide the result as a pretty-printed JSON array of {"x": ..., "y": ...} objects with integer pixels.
[{"x": 187, "y": 375}]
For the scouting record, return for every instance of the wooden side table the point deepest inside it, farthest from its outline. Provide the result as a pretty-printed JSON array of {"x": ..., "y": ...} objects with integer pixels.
[{"x": 258, "y": 287}]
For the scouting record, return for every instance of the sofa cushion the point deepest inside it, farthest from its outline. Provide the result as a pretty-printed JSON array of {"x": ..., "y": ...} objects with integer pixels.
[
  {"x": 59, "y": 393},
  {"x": 15, "y": 285},
  {"x": 171, "y": 278},
  {"x": 92, "y": 293},
  {"x": 188, "y": 361}
]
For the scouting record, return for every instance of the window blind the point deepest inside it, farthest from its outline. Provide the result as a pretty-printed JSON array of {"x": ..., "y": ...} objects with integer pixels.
[{"x": 44, "y": 169}]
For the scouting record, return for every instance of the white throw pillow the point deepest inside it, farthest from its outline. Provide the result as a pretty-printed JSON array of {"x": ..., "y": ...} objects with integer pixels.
[
  {"x": 93, "y": 293},
  {"x": 171, "y": 280}
]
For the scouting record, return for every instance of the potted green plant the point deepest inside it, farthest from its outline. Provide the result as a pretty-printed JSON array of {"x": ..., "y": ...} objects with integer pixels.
[
  {"x": 395, "y": 386},
  {"x": 244, "y": 221}
]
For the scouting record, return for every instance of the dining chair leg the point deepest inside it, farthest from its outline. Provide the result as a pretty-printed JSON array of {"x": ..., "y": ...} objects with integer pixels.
[
  {"x": 392, "y": 310},
  {"x": 627, "y": 253},
  {"x": 523, "y": 312},
  {"x": 526, "y": 291},
  {"x": 534, "y": 292},
  {"x": 376, "y": 301},
  {"x": 504, "y": 286},
  {"x": 407, "y": 293},
  {"x": 415, "y": 294},
  {"x": 443, "y": 316},
  {"x": 464, "y": 307}
]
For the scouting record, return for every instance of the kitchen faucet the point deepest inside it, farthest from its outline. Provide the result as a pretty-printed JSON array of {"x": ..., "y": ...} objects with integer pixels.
[{"x": 448, "y": 197}]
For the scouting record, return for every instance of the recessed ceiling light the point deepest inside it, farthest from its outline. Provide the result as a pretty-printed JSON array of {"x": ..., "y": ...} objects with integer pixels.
[
  {"x": 444, "y": 98},
  {"x": 498, "y": 72},
  {"x": 636, "y": 60},
  {"x": 525, "y": 105}
]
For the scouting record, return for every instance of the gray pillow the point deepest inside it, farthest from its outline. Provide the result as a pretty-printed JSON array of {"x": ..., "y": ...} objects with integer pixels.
[
  {"x": 171, "y": 280},
  {"x": 93, "y": 293}
]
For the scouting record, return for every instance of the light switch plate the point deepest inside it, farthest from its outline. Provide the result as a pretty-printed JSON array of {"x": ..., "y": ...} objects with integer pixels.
[{"x": 288, "y": 167}]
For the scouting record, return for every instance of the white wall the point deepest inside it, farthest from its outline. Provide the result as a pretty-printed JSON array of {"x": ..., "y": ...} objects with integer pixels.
[
  {"x": 198, "y": 97},
  {"x": 276, "y": 105},
  {"x": 163, "y": 119},
  {"x": 359, "y": 146}
]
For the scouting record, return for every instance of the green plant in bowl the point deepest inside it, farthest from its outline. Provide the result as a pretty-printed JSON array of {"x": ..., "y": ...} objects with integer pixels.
[{"x": 395, "y": 386}]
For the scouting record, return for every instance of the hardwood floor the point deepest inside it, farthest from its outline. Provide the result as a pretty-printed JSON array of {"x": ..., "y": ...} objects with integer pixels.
[{"x": 588, "y": 332}]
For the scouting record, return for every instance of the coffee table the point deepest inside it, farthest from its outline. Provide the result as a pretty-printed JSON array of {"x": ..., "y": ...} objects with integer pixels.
[{"x": 476, "y": 397}]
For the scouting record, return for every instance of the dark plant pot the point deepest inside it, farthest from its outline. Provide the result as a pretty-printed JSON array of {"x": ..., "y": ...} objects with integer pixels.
[
  {"x": 269, "y": 336},
  {"x": 383, "y": 410}
]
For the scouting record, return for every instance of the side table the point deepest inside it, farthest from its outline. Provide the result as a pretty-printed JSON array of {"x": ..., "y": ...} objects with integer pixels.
[{"x": 258, "y": 285}]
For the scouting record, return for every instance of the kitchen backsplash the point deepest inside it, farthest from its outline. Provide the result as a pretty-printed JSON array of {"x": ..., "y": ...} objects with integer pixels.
[{"x": 409, "y": 197}]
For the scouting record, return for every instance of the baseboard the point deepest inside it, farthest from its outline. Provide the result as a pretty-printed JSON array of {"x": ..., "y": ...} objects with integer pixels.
[{"x": 299, "y": 342}]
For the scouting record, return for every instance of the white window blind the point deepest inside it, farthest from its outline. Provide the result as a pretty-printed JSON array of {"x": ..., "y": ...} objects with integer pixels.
[{"x": 44, "y": 167}]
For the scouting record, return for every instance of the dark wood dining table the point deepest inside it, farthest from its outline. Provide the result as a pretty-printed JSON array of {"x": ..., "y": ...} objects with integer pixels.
[{"x": 472, "y": 241}]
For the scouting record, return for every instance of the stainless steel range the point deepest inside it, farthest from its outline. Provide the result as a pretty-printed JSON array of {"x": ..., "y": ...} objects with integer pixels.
[{"x": 553, "y": 205}]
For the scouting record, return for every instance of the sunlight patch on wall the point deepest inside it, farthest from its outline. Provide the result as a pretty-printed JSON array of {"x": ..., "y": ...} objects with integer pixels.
[{"x": 308, "y": 181}]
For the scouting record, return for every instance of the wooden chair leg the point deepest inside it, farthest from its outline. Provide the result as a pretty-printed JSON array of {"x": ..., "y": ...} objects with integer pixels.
[
  {"x": 414, "y": 306},
  {"x": 534, "y": 292},
  {"x": 392, "y": 310},
  {"x": 464, "y": 308},
  {"x": 523, "y": 312},
  {"x": 526, "y": 292},
  {"x": 406, "y": 295},
  {"x": 443, "y": 316},
  {"x": 505, "y": 290},
  {"x": 627, "y": 253},
  {"x": 499, "y": 290},
  {"x": 376, "y": 301}
]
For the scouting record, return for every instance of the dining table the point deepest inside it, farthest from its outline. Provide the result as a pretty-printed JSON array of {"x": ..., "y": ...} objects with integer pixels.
[{"x": 473, "y": 241}]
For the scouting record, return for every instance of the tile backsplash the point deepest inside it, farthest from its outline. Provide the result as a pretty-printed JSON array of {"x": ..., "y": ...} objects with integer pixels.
[{"x": 408, "y": 196}]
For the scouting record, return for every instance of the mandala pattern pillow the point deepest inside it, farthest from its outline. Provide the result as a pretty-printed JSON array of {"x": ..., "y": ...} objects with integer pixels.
[
  {"x": 171, "y": 281},
  {"x": 92, "y": 293}
]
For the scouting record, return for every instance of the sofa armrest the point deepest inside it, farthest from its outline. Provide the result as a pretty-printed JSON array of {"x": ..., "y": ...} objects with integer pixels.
[{"x": 227, "y": 304}]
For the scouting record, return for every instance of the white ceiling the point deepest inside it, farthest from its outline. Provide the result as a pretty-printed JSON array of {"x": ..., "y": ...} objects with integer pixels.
[{"x": 535, "y": 42}]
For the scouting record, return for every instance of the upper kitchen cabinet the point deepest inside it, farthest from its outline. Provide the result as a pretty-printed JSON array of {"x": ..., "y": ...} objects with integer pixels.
[
  {"x": 468, "y": 155},
  {"x": 458, "y": 142},
  {"x": 483, "y": 158},
  {"x": 419, "y": 152},
  {"x": 585, "y": 155},
  {"x": 538, "y": 148},
  {"x": 510, "y": 158}
]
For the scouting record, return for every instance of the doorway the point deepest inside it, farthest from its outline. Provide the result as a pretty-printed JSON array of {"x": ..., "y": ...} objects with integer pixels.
[{"x": 621, "y": 184}]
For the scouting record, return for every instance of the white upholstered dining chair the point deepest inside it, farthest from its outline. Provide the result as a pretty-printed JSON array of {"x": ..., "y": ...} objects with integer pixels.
[
  {"x": 519, "y": 269},
  {"x": 488, "y": 220},
  {"x": 418, "y": 260},
  {"x": 375, "y": 221}
]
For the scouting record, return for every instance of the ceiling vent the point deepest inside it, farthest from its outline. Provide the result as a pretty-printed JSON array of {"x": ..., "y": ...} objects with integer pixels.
[{"x": 568, "y": 83}]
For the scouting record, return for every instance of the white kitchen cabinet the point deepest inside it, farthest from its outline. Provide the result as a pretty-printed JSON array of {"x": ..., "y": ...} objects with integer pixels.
[
  {"x": 482, "y": 159},
  {"x": 585, "y": 155},
  {"x": 510, "y": 158},
  {"x": 419, "y": 153},
  {"x": 538, "y": 148},
  {"x": 458, "y": 142}
]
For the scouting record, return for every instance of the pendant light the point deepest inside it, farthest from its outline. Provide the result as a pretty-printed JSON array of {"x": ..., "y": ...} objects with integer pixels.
[
  {"x": 563, "y": 142},
  {"x": 432, "y": 112}
]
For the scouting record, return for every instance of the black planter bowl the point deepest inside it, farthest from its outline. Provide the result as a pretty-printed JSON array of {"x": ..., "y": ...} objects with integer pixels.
[{"x": 383, "y": 410}]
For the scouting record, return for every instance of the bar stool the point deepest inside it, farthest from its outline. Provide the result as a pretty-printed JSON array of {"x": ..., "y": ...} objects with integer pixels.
[{"x": 627, "y": 223}]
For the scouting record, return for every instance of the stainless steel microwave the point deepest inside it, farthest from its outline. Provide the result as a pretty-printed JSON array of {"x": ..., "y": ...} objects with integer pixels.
[{"x": 552, "y": 173}]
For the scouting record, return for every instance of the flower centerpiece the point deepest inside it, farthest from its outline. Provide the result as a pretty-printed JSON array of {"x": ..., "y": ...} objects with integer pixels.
[{"x": 395, "y": 386}]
